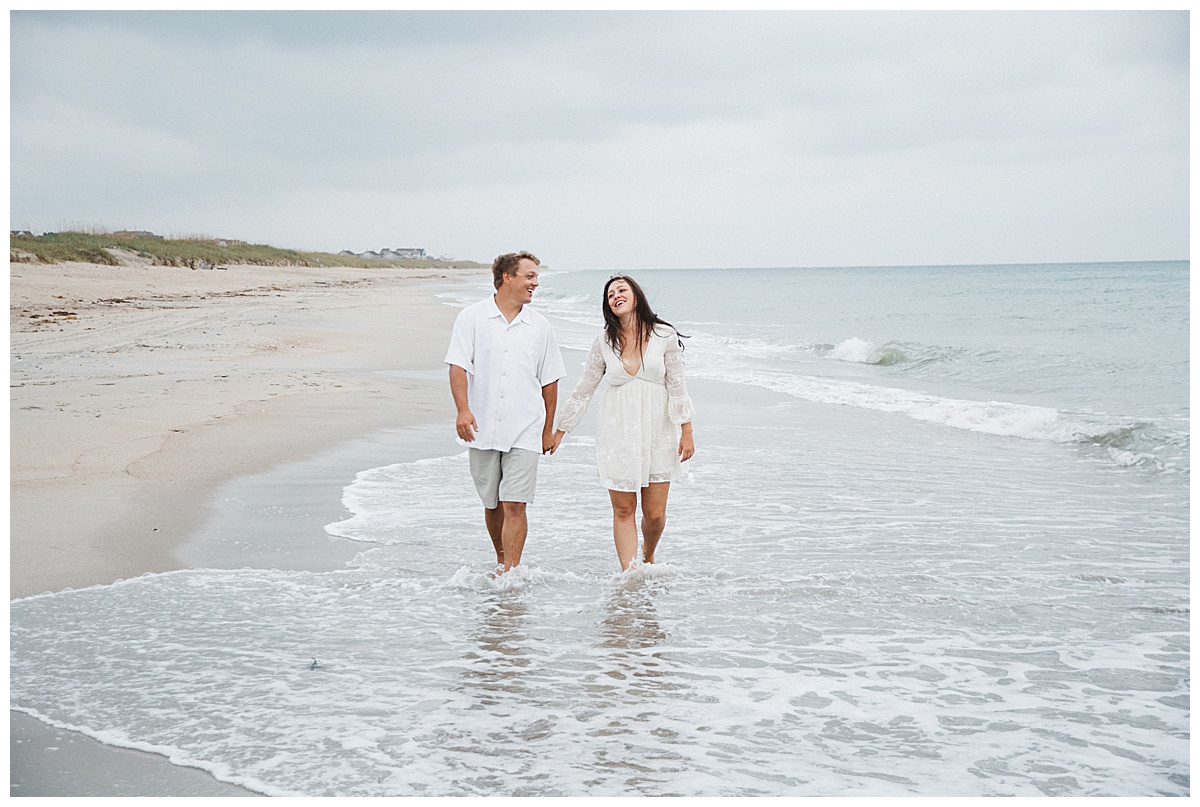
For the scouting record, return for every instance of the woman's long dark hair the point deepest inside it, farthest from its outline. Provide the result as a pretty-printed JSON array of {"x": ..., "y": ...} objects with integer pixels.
[{"x": 646, "y": 319}]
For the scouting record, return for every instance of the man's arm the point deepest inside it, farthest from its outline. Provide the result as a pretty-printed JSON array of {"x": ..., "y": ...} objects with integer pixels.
[
  {"x": 550, "y": 398},
  {"x": 465, "y": 424}
]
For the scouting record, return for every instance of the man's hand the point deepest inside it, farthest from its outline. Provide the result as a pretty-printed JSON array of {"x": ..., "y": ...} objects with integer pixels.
[
  {"x": 466, "y": 425},
  {"x": 550, "y": 442},
  {"x": 550, "y": 399}
]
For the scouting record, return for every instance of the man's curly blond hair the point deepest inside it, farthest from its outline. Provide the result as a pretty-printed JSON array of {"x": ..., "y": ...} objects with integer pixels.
[{"x": 506, "y": 264}]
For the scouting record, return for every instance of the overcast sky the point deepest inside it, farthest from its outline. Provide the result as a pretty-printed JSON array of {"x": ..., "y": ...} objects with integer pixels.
[{"x": 614, "y": 140}]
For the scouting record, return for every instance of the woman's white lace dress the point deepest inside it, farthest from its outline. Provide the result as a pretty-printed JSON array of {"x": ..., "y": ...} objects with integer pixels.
[{"x": 637, "y": 435}]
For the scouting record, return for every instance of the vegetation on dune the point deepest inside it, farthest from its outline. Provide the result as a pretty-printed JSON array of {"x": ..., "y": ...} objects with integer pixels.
[{"x": 194, "y": 252}]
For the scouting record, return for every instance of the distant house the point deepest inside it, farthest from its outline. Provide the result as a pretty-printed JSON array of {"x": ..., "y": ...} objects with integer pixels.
[
  {"x": 136, "y": 234},
  {"x": 20, "y": 232},
  {"x": 398, "y": 252},
  {"x": 226, "y": 242}
]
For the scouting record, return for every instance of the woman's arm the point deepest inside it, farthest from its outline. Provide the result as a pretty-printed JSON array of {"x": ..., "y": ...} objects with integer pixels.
[
  {"x": 687, "y": 445},
  {"x": 679, "y": 403},
  {"x": 577, "y": 404}
]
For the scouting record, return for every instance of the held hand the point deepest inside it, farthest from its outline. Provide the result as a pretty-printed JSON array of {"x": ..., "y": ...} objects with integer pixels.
[
  {"x": 687, "y": 446},
  {"x": 550, "y": 442},
  {"x": 466, "y": 425}
]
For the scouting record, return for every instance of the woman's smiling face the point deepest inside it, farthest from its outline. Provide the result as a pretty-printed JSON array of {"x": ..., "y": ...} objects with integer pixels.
[{"x": 620, "y": 298}]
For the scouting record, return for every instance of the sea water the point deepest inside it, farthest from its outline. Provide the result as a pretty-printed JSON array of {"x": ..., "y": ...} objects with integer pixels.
[{"x": 934, "y": 541}]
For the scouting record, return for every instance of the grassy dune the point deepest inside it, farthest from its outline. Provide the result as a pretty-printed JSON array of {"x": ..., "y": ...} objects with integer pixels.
[{"x": 192, "y": 252}]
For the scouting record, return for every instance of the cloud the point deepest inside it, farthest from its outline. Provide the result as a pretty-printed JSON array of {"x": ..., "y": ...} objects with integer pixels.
[{"x": 810, "y": 135}]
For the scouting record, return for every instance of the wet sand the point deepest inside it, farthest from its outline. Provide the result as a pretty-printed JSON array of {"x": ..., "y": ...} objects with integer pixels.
[{"x": 138, "y": 391}]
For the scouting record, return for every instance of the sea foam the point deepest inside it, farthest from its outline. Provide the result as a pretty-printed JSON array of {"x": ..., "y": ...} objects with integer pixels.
[{"x": 880, "y": 597}]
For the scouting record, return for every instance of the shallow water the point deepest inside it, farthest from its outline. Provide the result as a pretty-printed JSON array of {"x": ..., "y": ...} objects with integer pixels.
[
  {"x": 850, "y": 600},
  {"x": 873, "y": 633}
]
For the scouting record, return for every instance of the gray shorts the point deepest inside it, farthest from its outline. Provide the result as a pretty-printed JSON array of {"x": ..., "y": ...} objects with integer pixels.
[{"x": 504, "y": 476}]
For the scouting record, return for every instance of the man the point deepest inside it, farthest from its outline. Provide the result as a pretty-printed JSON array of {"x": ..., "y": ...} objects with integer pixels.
[{"x": 504, "y": 371}]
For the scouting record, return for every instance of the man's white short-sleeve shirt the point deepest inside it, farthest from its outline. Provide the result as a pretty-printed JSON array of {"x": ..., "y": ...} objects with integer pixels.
[{"x": 507, "y": 365}]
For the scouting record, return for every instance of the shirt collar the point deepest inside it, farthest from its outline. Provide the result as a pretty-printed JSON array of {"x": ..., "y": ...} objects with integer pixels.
[{"x": 496, "y": 312}]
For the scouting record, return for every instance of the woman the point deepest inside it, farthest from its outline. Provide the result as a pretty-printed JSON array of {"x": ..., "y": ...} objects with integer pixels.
[{"x": 638, "y": 447}]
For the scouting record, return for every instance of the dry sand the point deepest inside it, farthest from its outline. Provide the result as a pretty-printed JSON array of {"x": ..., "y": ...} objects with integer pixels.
[{"x": 136, "y": 390}]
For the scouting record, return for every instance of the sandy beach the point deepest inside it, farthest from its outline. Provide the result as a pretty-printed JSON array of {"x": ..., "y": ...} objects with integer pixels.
[
  {"x": 136, "y": 390},
  {"x": 873, "y": 582}
]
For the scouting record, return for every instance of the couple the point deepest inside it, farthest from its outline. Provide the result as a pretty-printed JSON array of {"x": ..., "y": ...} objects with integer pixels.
[{"x": 504, "y": 371}]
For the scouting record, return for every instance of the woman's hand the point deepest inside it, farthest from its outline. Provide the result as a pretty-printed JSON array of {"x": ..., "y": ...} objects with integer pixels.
[{"x": 687, "y": 446}]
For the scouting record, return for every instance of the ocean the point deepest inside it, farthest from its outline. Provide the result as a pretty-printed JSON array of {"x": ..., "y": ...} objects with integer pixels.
[{"x": 934, "y": 541}]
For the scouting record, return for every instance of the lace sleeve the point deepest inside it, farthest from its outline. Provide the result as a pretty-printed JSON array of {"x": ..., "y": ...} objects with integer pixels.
[
  {"x": 679, "y": 403},
  {"x": 577, "y": 404}
]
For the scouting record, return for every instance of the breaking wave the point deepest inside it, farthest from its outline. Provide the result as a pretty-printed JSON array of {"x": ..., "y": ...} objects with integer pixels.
[{"x": 865, "y": 352}]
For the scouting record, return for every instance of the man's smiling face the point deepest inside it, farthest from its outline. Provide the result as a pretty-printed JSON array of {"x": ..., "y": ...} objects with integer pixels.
[{"x": 522, "y": 284}]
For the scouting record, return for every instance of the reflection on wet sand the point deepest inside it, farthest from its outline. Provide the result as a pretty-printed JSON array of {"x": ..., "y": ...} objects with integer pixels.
[
  {"x": 623, "y": 697},
  {"x": 630, "y": 619},
  {"x": 629, "y": 630},
  {"x": 503, "y": 648}
]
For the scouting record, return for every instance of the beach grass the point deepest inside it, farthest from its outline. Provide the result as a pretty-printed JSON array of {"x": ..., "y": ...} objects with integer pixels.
[{"x": 98, "y": 247}]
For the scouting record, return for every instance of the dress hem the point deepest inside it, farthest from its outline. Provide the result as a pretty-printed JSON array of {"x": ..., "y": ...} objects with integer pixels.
[{"x": 611, "y": 485}]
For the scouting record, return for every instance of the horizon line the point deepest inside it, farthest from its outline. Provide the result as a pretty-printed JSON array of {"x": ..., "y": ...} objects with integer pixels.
[{"x": 884, "y": 265}]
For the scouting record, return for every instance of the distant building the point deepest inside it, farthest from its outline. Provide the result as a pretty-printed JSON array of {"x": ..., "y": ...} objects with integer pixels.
[
  {"x": 136, "y": 234},
  {"x": 226, "y": 242},
  {"x": 398, "y": 252},
  {"x": 20, "y": 232}
]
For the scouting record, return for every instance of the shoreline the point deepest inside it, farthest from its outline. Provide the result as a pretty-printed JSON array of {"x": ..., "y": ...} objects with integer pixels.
[
  {"x": 126, "y": 416},
  {"x": 850, "y": 522},
  {"x": 138, "y": 391}
]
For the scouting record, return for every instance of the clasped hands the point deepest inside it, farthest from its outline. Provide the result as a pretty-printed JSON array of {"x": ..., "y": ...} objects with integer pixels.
[{"x": 551, "y": 440}]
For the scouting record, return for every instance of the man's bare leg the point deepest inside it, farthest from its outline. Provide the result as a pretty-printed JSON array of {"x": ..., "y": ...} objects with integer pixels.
[
  {"x": 515, "y": 527},
  {"x": 494, "y": 519},
  {"x": 654, "y": 517}
]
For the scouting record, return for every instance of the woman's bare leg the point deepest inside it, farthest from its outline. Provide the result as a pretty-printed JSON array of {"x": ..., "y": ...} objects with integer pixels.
[
  {"x": 624, "y": 505},
  {"x": 654, "y": 517}
]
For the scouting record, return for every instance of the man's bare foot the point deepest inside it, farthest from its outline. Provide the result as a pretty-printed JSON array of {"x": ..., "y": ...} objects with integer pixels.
[{"x": 647, "y": 559}]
